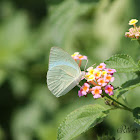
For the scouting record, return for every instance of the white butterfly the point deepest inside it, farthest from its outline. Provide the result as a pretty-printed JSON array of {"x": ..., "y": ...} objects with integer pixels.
[{"x": 64, "y": 73}]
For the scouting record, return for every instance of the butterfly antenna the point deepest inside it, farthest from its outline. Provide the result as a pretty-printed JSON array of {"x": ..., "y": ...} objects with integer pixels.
[
  {"x": 93, "y": 65},
  {"x": 86, "y": 65}
]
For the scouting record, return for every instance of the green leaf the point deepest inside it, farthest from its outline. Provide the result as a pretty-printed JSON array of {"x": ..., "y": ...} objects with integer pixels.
[
  {"x": 122, "y": 78},
  {"x": 126, "y": 81},
  {"x": 81, "y": 120},
  {"x": 2, "y": 76},
  {"x": 122, "y": 63},
  {"x": 2, "y": 134},
  {"x": 129, "y": 85},
  {"x": 139, "y": 63},
  {"x": 106, "y": 137},
  {"x": 136, "y": 115}
]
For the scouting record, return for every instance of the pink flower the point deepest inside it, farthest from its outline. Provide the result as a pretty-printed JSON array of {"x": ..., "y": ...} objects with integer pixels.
[
  {"x": 101, "y": 82},
  {"x": 111, "y": 71},
  {"x": 83, "y": 90},
  {"x": 101, "y": 66},
  {"x": 97, "y": 74},
  {"x": 137, "y": 35},
  {"x": 134, "y": 32},
  {"x": 80, "y": 93},
  {"x": 127, "y": 34},
  {"x": 96, "y": 91},
  {"x": 82, "y": 57},
  {"x": 109, "y": 89},
  {"x": 75, "y": 56},
  {"x": 108, "y": 78}
]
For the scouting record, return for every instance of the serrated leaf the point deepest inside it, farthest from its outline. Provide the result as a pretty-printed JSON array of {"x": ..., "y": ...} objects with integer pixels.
[
  {"x": 121, "y": 78},
  {"x": 80, "y": 121},
  {"x": 136, "y": 115},
  {"x": 122, "y": 63},
  {"x": 129, "y": 85}
]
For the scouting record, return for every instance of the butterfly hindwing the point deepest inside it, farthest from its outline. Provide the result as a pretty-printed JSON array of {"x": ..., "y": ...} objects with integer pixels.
[{"x": 61, "y": 79}]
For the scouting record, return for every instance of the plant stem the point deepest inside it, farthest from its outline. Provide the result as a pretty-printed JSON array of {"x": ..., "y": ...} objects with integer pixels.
[
  {"x": 125, "y": 107},
  {"x": 92, "y": 82},
  {"x": 80, "y": 61}
]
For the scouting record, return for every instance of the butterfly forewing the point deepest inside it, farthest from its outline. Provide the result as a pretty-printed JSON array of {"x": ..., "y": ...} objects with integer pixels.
[{"x": 60, "y": 57}]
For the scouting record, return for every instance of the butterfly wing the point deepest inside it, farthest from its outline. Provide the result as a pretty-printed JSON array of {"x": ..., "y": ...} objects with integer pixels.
[
  {"x": 61, "y": 79},
  {"x": 60, "y": 57},
  {"x": 63, "y": 74}
]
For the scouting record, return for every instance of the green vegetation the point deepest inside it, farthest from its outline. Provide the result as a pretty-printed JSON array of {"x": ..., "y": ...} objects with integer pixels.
[{"x": 95, "y": 28}]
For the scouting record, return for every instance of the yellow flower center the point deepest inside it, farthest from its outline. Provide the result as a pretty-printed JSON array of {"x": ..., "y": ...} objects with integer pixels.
[
  {"x": 133, "y": 21},
  {"x": 108, "y": 77},
  {"x": 91, "y": 71},
  {"x": 85, "y": 88},
  {"x": 97, "y": 74},
  {"x": 100, "y": 67},
  {"x": 109, "y": 89},
  {"x": 102, "y": 81},
  {"x": 80, "y": 56},
  {"x": 76, "y": 53},
  {"x": 104, "y": 72},
  {"x": 96, "y": 91}
]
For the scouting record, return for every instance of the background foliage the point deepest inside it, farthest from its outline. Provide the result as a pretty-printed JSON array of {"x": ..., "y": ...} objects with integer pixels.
[{"x": 28, "y": 29}]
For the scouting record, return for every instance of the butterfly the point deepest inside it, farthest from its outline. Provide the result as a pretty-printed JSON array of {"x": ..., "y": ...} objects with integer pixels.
[{"x": 63, "y": 72}]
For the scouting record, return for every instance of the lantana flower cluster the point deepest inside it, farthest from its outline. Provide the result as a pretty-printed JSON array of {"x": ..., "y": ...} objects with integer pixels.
[
  {"x": 134, "y": 32},
  {"x": 77, "y": 56},
  {"x": 98, "y": 80}
]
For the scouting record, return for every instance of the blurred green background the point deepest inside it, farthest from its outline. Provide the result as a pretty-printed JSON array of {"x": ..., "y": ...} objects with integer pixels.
[{"x": 28, "y": 29}]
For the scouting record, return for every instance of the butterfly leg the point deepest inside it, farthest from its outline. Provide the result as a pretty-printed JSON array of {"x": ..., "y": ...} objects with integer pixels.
[{"x": 78, "y": 85}]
